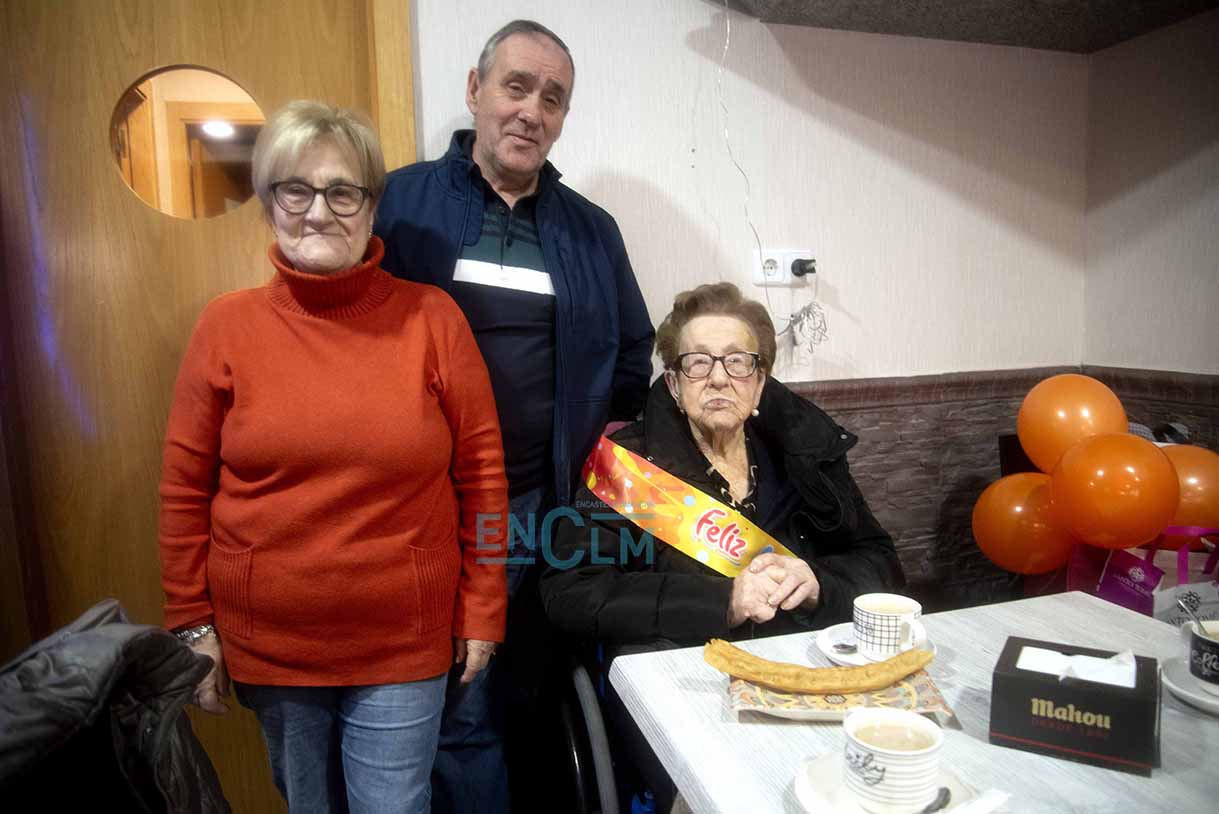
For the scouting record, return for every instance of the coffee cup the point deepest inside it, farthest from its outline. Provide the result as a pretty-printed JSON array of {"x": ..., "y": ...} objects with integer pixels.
[
  {"x": 891, "y": 760},
  {"x": 887, "y": 624},
  {"x": 1202, "y": 653}
]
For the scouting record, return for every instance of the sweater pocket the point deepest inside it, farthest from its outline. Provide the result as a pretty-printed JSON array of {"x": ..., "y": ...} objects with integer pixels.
[
  {"x": 228, "y": 581},
  {"x": 438, "y": 570}
]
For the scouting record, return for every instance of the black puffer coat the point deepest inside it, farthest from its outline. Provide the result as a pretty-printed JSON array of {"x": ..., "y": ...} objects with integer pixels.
[
  {"x": 92, "y": 718},
  {"x": 818, "y": 513}
]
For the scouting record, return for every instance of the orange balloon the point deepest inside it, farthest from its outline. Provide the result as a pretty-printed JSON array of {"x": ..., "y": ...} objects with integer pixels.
[
  {"x": 1013, "y": 525},
  {"x": 1198, "y": 477},
  {"x": 1062, "y": 411},
  {"x": 1114, "y": 491}
]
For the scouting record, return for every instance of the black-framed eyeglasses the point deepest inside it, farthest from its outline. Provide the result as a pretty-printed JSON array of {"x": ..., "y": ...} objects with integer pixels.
[
  {"x": 295, "y": 197},
  {"x": 738, "y": 364}
]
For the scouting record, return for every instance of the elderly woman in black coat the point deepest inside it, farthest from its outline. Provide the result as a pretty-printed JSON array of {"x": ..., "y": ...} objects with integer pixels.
[{"x": 716, "y": 422}]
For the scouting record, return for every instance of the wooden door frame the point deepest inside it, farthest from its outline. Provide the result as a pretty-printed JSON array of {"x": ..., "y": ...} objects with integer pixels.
[
  {"x": 390, "y": 67},
  {"x": 177, "y": 116}
]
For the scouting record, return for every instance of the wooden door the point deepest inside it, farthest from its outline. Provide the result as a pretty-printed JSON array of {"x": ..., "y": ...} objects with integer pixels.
[
  {"x": 186, "y": 152},
  {"x": 99, "y": 291},
  {"x": 133, "y": 143}
]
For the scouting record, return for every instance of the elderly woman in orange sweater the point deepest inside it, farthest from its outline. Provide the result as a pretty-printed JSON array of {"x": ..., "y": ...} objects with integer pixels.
[{"x": 331, "y": 447}]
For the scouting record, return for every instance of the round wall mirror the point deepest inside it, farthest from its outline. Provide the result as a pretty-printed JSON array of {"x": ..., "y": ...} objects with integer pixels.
[{"x": 183, "y": 139}]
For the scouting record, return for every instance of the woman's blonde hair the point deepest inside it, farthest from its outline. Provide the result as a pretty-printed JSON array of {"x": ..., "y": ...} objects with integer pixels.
[
  {"x": 299, "y": 125},
  {"x": 721, "y": 299}
]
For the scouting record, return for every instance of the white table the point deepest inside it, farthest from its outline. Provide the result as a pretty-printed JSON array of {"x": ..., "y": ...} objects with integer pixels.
[{"x": 721, "y": 764}]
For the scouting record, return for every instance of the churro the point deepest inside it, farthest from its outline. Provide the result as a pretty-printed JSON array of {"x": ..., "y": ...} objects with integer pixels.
[{"x": 813, "y": 680}]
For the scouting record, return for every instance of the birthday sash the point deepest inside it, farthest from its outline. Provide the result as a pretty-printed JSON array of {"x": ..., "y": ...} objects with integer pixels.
[{"x": 673, "y": 511}]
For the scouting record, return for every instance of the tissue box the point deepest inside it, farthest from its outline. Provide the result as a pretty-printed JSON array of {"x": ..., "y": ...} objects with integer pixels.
[{"x": 1086, "y": 721}]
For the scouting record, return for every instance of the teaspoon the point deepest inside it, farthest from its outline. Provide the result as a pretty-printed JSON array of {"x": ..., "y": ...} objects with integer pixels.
[
  {"x": 941, "y": 800},
  {"x": 1180, "y": 603}
]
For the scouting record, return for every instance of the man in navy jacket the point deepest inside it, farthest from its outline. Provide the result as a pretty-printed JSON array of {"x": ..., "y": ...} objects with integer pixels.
[{"x": 543, "y": 277}]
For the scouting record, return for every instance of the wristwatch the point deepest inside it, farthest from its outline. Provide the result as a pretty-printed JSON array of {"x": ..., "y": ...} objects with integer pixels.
[{"x": 190, "y": 635}]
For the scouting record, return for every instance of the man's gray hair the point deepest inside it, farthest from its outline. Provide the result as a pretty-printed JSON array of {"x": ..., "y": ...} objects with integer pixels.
[{"x": 487, "y": 58}]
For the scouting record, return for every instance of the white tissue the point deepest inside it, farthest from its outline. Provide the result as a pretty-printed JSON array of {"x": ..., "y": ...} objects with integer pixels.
[{"x": 1118, "y": 670}]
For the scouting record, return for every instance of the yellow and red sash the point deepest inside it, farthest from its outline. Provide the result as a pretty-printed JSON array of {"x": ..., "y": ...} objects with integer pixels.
[{"x": 673, "y": 511}]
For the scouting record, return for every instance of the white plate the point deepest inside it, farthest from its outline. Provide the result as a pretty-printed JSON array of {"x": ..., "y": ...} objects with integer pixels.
[
  {"x": 820, "y": 789},
  {"x": 844, "y": 633},
  {"x": 1175, "y": 673}
]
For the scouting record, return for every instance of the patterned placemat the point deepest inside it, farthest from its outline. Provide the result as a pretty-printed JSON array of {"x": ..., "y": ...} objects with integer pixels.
[{"x": 916, "y": 693}]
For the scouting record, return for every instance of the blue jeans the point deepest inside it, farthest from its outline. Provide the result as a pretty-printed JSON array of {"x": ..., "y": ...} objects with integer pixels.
[
  {"x": 470, "y": 775},
  {"x": 363, "y": 750}
]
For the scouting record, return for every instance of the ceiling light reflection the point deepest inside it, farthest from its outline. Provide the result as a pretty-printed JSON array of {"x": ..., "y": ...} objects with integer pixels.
[{"x": 217, "y": 128}]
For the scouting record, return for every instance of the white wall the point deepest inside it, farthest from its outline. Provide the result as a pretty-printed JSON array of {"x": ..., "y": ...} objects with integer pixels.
[
  {"x": 941, "y": 185},
  {"x": 1152, "y": 289}
]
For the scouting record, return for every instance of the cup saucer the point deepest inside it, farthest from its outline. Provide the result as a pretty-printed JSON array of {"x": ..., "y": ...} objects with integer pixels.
[
  {"x": 1176, "y": 677},
  {"x": 844, "y": 633},
  {"x": 819, "y": 787}
]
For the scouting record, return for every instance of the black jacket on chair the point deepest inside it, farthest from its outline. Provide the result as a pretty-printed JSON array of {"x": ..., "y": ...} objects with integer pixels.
[
  {"x": 815, "y": 509},
  {"x": 92, "y": 718}
]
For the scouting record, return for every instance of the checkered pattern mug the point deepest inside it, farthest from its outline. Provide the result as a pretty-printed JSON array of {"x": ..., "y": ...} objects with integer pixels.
[{"x": 887, "y": 624}]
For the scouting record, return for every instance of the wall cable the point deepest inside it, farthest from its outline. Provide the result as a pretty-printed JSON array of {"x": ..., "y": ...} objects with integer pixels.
[{"x": 806, "y": 326}]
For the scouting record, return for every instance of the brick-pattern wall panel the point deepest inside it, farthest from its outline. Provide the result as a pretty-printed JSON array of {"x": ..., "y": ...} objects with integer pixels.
[
  {"x": 969, "y": 462},
  {"x": 897, "y": 466},
  {"x": 1200, "y": 421},
  {"x": 922, "y": 468},
  {"x": 928, "y": 447},
  {"x": 1155, "y": 397}
]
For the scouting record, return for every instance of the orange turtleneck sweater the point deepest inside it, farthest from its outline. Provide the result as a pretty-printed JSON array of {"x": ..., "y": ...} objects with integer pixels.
[{"x": 331, "y": 445}]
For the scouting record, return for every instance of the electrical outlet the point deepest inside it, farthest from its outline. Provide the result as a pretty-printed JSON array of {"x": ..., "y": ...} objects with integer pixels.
[
  {"x": 773, "y": 267},
  {"x": 768, "y": 268}
]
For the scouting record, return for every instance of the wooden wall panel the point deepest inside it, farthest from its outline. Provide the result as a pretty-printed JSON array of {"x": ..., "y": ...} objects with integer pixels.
[{"x": 102, "y": 290}]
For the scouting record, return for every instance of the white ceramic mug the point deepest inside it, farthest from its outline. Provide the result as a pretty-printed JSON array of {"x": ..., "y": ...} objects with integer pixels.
[
  {"x": 891, "y": 760},
  {"x": 887, "y": 624},
  {"x": 1202, "y": 654}
]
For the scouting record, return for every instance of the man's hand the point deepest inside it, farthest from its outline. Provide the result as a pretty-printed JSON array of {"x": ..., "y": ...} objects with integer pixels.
[
  {"x": 475, "y": 653},
  {"x": 215, "y": 685}
]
